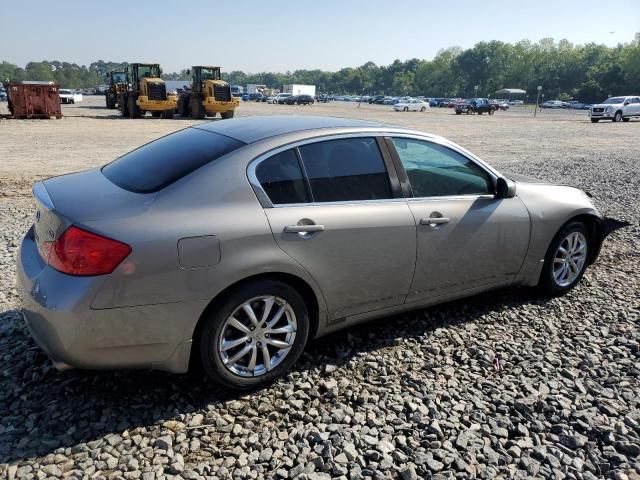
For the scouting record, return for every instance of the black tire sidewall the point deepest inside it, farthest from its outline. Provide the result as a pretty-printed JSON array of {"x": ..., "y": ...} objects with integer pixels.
[
  {"x": 547, "y": 282},
  {"x": 210, "y": 335}
]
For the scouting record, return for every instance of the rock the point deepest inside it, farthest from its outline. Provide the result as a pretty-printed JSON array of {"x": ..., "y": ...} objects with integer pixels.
[
  {"x": 163, "y": 443},
  {"x": 574, "y": 441},
  {"x": 409, "y": 473}
]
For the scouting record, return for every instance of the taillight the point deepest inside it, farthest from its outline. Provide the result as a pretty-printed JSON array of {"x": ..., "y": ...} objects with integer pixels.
[{"x": 78, "y": 252}]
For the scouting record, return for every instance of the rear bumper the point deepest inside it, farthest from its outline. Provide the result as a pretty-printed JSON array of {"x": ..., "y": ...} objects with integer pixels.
[
  {"x": 156, "y": 105},
  {"x": 57, "y": 311}
]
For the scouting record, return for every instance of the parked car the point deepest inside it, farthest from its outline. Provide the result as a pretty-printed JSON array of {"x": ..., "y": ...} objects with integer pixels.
[
  {"x": 299, "y": 100},
  {"x": 304, "y": 100},
  {"x": 475, "y": 105},
  {"x": 412, "y": 105},
  {"x": 66, "y": 96},
  {"x": 279, "y": 98},
  {"x": 245, "y": 97},
  {"x": 553, "y": 104},
  {"x": 3, "y": 95},
  {"x": 160, "y": 273},
  {"x": 616, "y": 109}
]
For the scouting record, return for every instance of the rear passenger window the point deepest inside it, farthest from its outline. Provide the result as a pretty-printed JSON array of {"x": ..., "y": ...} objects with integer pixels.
[
  {"x": 346, "y": 170},
  {"x": 281, "y": 178}
]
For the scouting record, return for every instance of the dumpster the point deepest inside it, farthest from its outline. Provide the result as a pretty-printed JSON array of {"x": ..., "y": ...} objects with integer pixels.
[{"x": 34, "y": 100}]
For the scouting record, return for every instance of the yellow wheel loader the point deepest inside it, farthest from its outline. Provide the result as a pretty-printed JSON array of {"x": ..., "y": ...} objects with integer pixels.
[
  {"x": 147, "y": 92},
  {"x": 208, "y": 96},
  {"x": 118, "y": 83}
]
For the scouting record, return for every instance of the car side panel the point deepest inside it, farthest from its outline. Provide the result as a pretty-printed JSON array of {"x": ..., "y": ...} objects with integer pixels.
[
  {"x": 216, "y": 200},
  {"x": 550, "y": 207}
]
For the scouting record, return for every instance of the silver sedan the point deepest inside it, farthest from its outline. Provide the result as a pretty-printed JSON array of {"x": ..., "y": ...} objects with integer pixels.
[{"x": 232, "y": 244}]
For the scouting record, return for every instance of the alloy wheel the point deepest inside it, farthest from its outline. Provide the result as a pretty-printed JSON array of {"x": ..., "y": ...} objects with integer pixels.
[
  {"x": 569, "y": 259},
  {"x": 257, "y": 336}
]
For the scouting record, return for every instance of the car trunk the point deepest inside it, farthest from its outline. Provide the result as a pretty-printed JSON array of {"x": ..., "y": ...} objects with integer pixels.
[{"x": 79, "y": 199}]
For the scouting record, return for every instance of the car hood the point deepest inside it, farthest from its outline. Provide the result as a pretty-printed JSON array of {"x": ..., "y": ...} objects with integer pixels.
[{"x": 516, "y": 177}]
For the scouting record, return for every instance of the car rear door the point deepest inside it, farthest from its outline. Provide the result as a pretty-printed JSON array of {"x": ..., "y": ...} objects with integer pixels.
[
  {"x": 336, "y": 211},
  {"x": 466, "y": 238}
]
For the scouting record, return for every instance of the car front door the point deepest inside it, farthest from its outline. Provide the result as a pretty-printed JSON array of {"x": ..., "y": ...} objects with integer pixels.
[
  {"x": 467, "y": 238},
  {"x": 335, "y": 212}
]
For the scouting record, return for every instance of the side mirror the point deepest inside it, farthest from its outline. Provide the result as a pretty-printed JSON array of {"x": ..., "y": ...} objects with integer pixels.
[
  {"x": 188, "y": 71},
  {"x": 627, "y": 103},
  {"x": 505, "y": 188}
]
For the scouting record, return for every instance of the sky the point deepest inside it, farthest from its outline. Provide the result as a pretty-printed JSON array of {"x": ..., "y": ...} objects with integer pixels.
[{"x": 285, "y": 35}]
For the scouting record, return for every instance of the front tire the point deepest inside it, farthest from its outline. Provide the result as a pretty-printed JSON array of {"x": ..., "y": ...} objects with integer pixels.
[
  {"x": 566, "y": 260},
  {"x": 226, "y": 115},
  {"x": 595, "y": 120},
  {"x": 617, "y": 117},
  {"x": 255, "y": 335}
]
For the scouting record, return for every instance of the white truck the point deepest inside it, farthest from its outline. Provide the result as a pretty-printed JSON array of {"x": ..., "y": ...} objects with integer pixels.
[
  {"x": 616, "y": 109},
  {"x": 295, "y": 89},
  {"x": 253, "y": 88}
]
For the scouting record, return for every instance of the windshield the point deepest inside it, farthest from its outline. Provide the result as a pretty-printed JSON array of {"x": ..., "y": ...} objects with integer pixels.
[
  {"x": 614, "y": 100},
  {"x": 119, "y": 77},
  {"x": 148, "y": 71},
  {"x": 62, "y": 90},
  {"x": 210, "y": 74}
]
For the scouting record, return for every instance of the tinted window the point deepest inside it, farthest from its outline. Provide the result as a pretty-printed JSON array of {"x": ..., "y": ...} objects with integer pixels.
[
  {"x": 436, "y": 171},
  {"x": 281, "y": 178},
  {"x": 345, "y": 170},
  {"x": 160, "y": 163}
]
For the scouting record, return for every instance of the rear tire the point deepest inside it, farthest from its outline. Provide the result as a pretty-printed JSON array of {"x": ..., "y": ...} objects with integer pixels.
[
  {"x": 625, "y": 119},
  {"x": 549, "y": 284},
  {"x": 405, "y": 109},
  {"x": 168, "y": 114},
  {"x": 226, "y": 115},
  {"x": 156, "y": 114},
  {"x": 219, "y": 364}
]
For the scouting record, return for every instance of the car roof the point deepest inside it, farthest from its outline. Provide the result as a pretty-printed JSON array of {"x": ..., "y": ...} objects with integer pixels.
[{"x": 254, "y": 129}]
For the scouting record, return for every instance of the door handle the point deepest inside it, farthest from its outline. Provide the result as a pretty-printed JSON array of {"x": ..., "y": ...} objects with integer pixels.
[
  {"x": 434, "y": 220},
  {"x": 303, "y": 228}
]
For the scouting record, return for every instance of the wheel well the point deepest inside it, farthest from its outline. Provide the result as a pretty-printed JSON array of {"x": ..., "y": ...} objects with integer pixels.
[
  {"x": 591, "y": 221},
  {"x": 300, "y": 285}
]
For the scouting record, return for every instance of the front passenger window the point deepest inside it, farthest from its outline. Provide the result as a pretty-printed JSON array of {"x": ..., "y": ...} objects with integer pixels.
[{"x": 437, "y": 171}]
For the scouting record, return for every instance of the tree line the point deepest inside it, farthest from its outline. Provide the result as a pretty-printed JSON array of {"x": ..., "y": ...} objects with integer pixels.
[{"x": 566, "y": 71}]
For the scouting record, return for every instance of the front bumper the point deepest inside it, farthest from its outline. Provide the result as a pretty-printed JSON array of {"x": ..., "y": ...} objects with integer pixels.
[
  {"x": 601, "y": 115},
  {"x": 57, "y": 311}
]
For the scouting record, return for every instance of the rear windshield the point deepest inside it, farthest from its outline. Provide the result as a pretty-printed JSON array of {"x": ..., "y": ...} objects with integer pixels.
[{"x": 157, "y": 164}]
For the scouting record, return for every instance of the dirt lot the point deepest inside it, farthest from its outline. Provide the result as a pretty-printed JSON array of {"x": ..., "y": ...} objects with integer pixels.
[
  {"x": 413, "y": 396},
  {"x": 89, "y": 135}
]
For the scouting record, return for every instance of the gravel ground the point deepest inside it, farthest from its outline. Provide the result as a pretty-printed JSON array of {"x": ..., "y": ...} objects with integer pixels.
[{"x": 411, "y": 396}]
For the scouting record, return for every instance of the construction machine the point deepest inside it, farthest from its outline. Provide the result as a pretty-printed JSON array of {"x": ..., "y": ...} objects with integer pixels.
[
  {"x": 209, "y": 95},
  {"x": 147, "y": 92},
  {"x": 118, "y": 82}
]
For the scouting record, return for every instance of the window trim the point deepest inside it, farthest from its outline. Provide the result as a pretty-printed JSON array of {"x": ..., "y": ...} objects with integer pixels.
[
  {"x": 385, "y": 153},
  {"x": 404, "y": 178}
]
